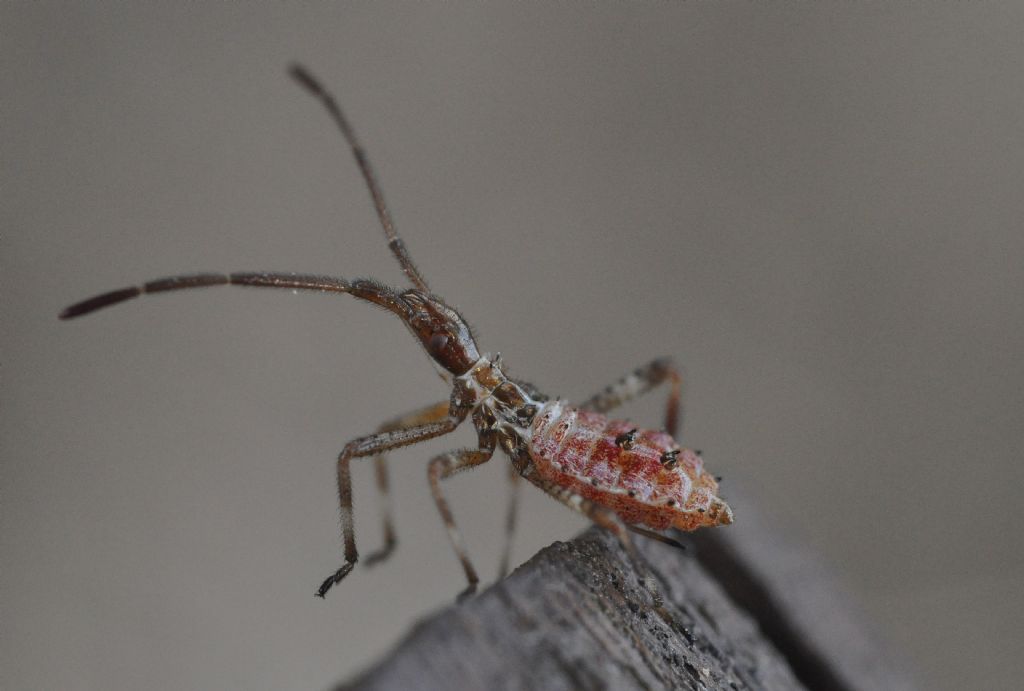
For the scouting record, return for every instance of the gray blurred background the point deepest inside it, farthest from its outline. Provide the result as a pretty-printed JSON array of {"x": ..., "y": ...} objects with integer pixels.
[{"x": 815, "y": 209}]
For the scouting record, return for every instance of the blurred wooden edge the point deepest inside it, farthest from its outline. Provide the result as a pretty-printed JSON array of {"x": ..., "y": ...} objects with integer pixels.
[{"x": 744, "y": 608}]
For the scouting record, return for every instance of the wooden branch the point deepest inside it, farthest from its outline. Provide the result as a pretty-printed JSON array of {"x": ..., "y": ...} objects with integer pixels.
[
  {"x": 800, "y": 606},
  {"x": 742, "y": 610}
]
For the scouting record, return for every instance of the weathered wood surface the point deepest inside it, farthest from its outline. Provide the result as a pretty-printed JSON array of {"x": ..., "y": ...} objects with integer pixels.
[
  {"x": 742, "y": 610},
  {"x": 800, "y": 607}
]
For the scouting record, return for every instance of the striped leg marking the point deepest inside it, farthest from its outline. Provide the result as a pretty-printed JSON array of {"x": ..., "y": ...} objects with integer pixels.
[
  {"x": 431, "y": 413},
  {"x": 369, "y": 446},
  {"x": 638, "y": 382},
  {"x": 441, "y": 468}
]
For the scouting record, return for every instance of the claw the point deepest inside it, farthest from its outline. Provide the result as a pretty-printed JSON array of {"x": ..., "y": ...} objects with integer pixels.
[{"x": 334, "y": 578}]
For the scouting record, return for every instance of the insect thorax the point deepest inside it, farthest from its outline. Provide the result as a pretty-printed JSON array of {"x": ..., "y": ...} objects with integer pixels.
[{"x": 502, "y": 409}]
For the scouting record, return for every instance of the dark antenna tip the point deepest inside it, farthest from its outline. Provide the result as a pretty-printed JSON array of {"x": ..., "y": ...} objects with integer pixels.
[{"x": 99, "y": 302}]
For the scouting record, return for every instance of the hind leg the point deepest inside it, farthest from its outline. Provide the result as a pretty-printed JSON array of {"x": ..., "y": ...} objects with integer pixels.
[
  {"x": 638, "y": 382},
  {"x": 609, "y": 520},
  {"x": 510, "y": 520}
]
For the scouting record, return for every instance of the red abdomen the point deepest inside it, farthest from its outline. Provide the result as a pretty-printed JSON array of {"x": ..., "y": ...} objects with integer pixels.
[{"x": 588, "y": 454}]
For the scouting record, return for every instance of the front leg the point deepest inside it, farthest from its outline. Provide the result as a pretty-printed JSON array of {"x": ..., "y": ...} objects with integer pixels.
[
  {"x": 638, "y": 382},
  {"x": 369, "y": 446}
]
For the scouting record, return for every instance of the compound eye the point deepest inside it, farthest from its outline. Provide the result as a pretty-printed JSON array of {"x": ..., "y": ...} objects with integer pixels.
[{"x": 437, "y": 343}]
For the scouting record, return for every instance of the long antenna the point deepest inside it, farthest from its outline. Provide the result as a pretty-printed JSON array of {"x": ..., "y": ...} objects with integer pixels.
[
  {"x": 362, "y": 288},
  {"x": 306, "y": 79}
]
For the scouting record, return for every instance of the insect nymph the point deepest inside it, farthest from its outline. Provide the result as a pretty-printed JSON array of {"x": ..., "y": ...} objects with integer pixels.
[{"x": 620, "y": 477}]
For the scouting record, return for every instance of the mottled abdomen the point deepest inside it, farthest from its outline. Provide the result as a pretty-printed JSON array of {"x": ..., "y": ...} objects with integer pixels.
[{"x": 630, "y": 474}]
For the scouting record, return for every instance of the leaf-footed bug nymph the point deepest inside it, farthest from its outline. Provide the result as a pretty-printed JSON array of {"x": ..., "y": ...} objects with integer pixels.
[{"x": 619, "y": 476}]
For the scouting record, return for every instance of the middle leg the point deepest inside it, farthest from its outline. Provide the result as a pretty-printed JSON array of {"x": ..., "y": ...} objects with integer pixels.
[
  {"x": 431, "y": 413},
  {"x": 441, "y": 468}
]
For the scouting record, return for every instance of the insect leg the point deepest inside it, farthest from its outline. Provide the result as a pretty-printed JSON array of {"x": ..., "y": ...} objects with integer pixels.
[
  {"x": 510, "y": 520},
  {"x": 441, "y": 468},
  {"x": 638, "y": 382},
  {"x": 432, "y": 413},
  {"x": 369, "y": 446},
  {"x": 609, "y": 520}
]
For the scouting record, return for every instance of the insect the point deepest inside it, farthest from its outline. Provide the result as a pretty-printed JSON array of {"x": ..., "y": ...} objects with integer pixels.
[{"x": 621, "y": 477}]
